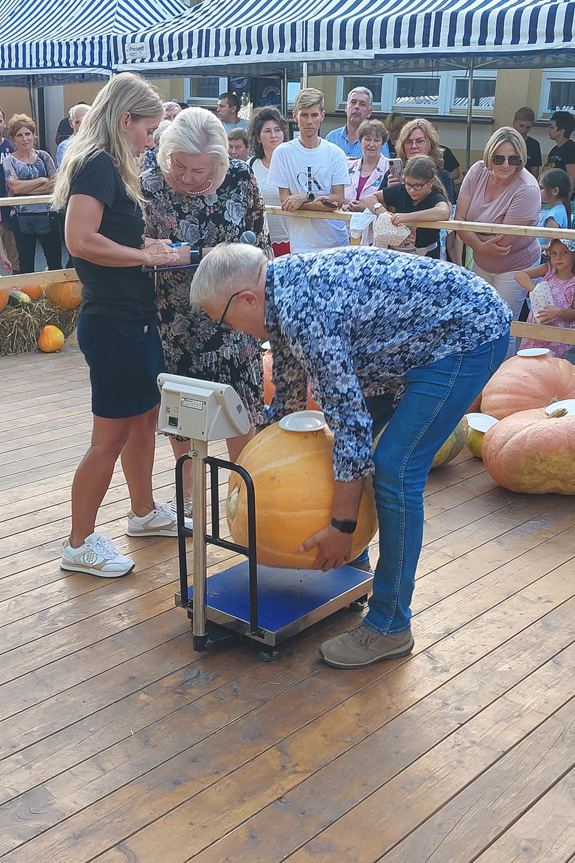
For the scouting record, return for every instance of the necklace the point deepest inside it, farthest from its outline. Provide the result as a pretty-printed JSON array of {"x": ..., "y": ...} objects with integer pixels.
[{"x": 203, "y": 191}]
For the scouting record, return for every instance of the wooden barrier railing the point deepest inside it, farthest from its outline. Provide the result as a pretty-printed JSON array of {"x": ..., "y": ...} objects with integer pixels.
[{"x": 519, "y": 329}]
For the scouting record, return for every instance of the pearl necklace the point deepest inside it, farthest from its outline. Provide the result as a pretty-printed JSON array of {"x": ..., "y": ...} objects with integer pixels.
[{"x": 203, "y": 191}]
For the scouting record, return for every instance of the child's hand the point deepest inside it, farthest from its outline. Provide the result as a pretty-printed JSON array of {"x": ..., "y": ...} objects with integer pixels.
[{"x": 549, "y": 314}]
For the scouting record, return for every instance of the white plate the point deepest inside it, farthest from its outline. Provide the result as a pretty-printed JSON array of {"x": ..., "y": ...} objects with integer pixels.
[
  {"x": 568, "y": 404},
  {"x": 534, "y": 352},
  {"x": 303, "y": 421},
  {"x": 480, "y": 422}
]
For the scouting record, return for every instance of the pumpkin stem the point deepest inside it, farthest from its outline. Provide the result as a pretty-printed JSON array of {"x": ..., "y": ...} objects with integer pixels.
[
  {"x": 553, "y": 400},
  {"x": 560, "y": 412}
]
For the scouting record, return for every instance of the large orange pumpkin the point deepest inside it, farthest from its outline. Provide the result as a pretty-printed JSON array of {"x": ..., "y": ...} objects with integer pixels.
[
  {"x": 522, "y": 383},
  {"x": 4, "y": 294},
  {"x": 51, "y": 339},
  {"x": 64, "y": 295},
  {"x": 269, "y": 389},
  {"x": 33, "y": 291},
  {"x": 532, "y": 453},
  {"x": 294, "y": 486}
]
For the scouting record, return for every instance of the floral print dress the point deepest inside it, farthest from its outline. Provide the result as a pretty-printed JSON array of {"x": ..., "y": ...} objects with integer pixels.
[{"x": 194, "y": 345}]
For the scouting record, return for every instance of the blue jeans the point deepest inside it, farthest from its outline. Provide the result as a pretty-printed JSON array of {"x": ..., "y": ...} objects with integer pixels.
[{"x": 435, "y": 399}]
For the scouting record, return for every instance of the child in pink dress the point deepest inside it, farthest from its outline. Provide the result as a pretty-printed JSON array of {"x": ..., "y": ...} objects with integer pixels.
[{"x": 553, "y": 298}]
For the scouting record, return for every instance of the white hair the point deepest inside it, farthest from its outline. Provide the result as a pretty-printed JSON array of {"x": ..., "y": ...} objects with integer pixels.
[
  {"x": 363, "y": 90},
  {"x": 226, "y": 268},
  {"x": 75, "y": 108},
  {"x": 196, "y": 132},
  {"x": 161, "y": 128}
]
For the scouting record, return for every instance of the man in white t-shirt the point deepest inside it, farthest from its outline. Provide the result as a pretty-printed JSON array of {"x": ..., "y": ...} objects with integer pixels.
[{"x": 311, "y": 174}]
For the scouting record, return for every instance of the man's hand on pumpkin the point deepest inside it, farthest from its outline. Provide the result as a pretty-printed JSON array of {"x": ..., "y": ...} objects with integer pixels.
[{"x": 333, "y": 548}]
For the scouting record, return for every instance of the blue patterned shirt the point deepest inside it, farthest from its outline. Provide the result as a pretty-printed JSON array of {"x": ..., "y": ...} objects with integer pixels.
[
  {"x": 355, "y": 321},
  {"x": 340, "y": 138}
]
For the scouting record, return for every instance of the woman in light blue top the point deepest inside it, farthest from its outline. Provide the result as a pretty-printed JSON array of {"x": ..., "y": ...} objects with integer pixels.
[{"x": 555, "y": 187}]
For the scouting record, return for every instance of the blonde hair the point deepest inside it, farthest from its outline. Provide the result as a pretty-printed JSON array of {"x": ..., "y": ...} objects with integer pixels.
[
  {"x": 429, "y": 131},
  {"x": 101, "y": 132},
  {"x": 307, "y": 99},
  {"x": 196, "y": 132},
  {"x": 505, "y": 135}
]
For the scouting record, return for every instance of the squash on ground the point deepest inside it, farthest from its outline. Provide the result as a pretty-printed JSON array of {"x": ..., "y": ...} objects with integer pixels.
[
  {"x": 18, "y": 298},
  {"x": 294, "y": 487},
  {"x": 4, "y": 294},
  {"x": 522, "y": 383},
  {"x": 532, "y": 453}
]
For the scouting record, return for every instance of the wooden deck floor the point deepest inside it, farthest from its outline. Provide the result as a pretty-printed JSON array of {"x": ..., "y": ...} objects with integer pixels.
[{"x": 119, "y": 743}]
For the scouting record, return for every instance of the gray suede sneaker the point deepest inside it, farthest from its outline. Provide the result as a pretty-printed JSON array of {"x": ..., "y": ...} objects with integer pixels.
[{"x": 362, "y": 646}]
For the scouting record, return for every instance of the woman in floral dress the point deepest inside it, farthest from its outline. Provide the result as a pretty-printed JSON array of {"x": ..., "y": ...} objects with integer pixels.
[{"x": 196, "y": 195}]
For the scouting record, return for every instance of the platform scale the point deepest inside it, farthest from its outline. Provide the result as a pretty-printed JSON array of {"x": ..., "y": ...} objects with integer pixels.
[{"x": 264, "y": 605}]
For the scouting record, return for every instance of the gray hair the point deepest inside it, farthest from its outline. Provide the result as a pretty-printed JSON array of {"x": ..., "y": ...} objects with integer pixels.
[
  {"x": 75, "y": 108},
  {"x": 161, "y": 128},
  {"x": 363, "y": 90},
  {"x": 226, "y": 268},
  {"x": 196, "y": 132}
]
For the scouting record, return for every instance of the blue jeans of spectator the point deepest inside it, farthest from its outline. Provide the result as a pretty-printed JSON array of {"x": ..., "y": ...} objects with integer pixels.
[{"x": 435, "y": 399}]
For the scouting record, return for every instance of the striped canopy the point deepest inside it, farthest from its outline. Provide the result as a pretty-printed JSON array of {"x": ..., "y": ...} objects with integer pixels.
[
  {"x": 360, "y": 36},
  {"x": 64, "y": 40}
]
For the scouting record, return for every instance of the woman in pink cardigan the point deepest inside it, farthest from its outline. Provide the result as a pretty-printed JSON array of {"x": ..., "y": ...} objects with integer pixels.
[
  {"x": 366, "y": 174},
  {"x": 500, "y": 190}
]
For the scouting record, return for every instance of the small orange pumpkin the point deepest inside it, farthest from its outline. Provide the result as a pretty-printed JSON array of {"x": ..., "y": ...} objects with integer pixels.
[
  {"x": 64, "y": 295},
  {"x": 33, "y": 291},
  {"x": 4, "y": 294},
  {"x": 294, "y": 486},
  {"x": 269, "y": 389},
  {"x": 532, "y": 453},
  {"x": 51, "y": 339},
  {"x": 522, "y": 383}
]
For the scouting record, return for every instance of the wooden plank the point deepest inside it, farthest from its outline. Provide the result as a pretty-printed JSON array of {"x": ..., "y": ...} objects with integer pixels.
[
  {"x": 44, "y": 277},
  {"x": 545, "y": 834},
  {"x": 543, "y": 332}
]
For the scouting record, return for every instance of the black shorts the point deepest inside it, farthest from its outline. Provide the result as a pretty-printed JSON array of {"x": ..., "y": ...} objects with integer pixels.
[{"x": 125, "y": 359}]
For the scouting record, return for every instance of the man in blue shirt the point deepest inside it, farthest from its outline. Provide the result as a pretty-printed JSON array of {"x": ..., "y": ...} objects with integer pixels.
[
  {"x": 386, "y": 340},
  {"x": 357, "y": 109}
]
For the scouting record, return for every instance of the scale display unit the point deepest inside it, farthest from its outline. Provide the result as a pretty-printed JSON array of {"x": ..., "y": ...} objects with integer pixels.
[{"x": 264, "y": 605}]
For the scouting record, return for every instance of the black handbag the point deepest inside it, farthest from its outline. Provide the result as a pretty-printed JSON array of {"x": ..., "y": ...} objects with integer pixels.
[{"x": 34, "y": 223}]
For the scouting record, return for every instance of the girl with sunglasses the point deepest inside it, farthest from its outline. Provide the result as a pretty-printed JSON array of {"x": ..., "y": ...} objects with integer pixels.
[
  {"x": 421, "y": 197},
  {"x": 500, "y": 190}
]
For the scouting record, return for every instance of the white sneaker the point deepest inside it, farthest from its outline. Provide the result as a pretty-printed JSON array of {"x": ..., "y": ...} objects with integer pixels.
[
  {"x": 161, "y": 521},
  {"x": 98, "y": 555}
]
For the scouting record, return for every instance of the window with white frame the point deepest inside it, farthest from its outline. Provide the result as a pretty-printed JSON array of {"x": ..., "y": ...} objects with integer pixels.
[
  {"x": 423, "y": 93},
  {"x": 557, "y": 92},
  {"x": 204, "y": 89}
]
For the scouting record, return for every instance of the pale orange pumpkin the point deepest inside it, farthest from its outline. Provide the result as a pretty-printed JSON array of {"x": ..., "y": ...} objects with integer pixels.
[
  {"x": 294, "y": 486},
  {"x": 4, "y": 294},
  {"x": 269, "y": 389},
  {"x": 51, "y": 339},
  {"x": 522, "y": 383},
  {"x": 33, "y": 291},
  {"x": 532, "y": 453},
  {"x": 64, "y": 295}
]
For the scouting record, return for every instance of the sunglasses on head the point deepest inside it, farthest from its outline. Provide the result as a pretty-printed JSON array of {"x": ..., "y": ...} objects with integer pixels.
[{"x": 511, "y": 160}]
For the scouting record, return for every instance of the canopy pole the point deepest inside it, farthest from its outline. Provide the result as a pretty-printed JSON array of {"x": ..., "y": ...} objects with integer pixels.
[
  {"x": 469, "y": 114},
  {"x": 304, "y": 83},
  {"x": 284, "y": 93}
]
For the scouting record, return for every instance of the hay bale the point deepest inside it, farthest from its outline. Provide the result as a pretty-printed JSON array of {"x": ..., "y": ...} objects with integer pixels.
[{"x": 20, "y": 326}]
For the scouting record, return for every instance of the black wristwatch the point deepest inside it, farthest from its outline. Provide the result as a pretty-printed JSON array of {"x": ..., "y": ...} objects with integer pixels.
[
  {"x": 310, "y": 196},
  {"x": 344, "y": 526},
  {"x": 195, "y": 255}
]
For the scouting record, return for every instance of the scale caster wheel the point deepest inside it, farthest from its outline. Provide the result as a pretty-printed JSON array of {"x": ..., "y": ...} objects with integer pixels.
[{"x": 268, "y": 655}]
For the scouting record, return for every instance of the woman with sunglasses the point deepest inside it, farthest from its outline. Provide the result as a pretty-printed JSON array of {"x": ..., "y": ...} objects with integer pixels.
[{"x": 500, "y": 190}]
